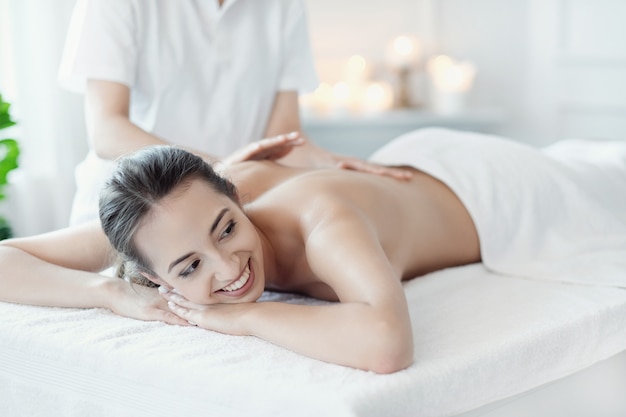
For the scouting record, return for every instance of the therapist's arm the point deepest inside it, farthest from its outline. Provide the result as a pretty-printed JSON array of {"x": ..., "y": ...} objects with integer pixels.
[
  {"x": 110, "y": 131},
  {"x": 285, "y": 118}
]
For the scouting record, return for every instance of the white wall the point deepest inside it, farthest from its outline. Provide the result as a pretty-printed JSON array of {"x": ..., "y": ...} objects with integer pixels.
[
  {"x": 494, "y": 35},
  {"x": 578, "y": 70},
  {"x": 490, "y": 33},
  {"x": 352, "y": 27},
  {"x": 361, "y": 27},
  {"x": 556, "y": 68}
]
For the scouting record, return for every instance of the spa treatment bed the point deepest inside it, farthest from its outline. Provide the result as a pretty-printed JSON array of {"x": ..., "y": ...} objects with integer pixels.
[
  {"x": 480, "y": 338},
  {"x": 538, "y": 328}
]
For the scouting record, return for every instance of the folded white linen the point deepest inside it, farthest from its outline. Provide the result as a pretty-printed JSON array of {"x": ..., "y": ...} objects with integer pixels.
[
  {"x": 479, "y": 337},
  {"x": 556, "y": 213}
]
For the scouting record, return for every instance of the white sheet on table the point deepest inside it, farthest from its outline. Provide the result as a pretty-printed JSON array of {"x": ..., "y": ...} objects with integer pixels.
[{"x": 479, "y": 337}]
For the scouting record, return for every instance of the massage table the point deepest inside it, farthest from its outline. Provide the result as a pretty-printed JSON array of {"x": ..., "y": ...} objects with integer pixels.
[
  {"x": 483, "y": 342},
  {"x": 489, "y": 342}
]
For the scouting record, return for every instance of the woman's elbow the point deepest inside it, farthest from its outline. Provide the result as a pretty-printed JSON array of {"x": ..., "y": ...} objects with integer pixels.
[
  {"x": 393, "y": 361},
  {"x": 394, "y": 350}
]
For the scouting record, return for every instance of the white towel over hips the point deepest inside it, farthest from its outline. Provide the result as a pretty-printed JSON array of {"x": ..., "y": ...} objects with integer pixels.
[{"x": 554, "y": 213}]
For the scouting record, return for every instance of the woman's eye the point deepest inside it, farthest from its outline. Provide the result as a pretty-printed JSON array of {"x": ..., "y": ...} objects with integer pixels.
[
  {"x": 229, "y": 229},
  {"x": 190, "y": 269}
]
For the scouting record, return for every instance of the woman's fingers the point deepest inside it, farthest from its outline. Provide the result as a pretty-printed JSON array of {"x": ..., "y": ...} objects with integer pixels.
[
  {"x": 177, "y": 299},
  {"x": 169, "y": 317},
  {"x": 182, "y": 313},
  {"x": 183, "y": 302}
]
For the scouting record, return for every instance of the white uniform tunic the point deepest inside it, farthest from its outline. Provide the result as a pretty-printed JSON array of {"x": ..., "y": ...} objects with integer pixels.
[{"x": 201, "y": 75}]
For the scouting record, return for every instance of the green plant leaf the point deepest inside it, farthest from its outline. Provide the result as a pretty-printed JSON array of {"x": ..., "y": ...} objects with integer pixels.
[
  {"x": 11, "y": 151},
  {"x": 5, "y": 229},
  {"x": 5, "y": 115}
]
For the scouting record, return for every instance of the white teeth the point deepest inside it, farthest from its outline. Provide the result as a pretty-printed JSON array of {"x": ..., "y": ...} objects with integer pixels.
[{"x": 240, "y": 282}]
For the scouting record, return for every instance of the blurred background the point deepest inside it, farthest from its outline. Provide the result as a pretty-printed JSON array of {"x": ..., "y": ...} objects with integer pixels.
[{"x": 533, "y": 70}]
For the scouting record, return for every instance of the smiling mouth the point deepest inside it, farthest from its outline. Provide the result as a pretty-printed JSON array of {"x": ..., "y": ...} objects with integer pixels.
[{"x": 240, "y": 282}]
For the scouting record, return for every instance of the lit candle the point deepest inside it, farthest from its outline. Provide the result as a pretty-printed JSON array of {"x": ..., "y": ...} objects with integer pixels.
[
  {"x": 342, "y": 98},
  {"x": 322, "y": 98},
  {"x": 451, "y": 82},
  {"x": 376, "y": 97},
  {"x": 403, "y": 52},
  {"x": 450, "y": 75},
  {"x": 355, "y": 70}
]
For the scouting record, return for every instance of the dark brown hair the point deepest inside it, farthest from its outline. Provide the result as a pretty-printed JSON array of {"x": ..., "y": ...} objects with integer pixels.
[{"x": 141, "y": 180}]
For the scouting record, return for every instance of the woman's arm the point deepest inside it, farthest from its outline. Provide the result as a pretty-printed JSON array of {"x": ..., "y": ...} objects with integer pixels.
[
  {"x": 368, "y": 329},
  {"x": 55, "y": 269},
  {"x": 358, "y": 335},
  {"x": 62, "y": 269}
]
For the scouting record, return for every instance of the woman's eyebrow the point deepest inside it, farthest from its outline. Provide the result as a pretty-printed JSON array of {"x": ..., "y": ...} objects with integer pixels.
[
  {"x": 218, "y": 218},
  {"x": 177, "y": 261}
]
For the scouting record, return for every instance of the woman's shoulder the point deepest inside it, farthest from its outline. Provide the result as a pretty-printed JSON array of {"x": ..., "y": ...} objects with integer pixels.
[
  {"x": 320, "y": 194},
  {"x": 255, "y": 178},
  {"x": 303, "y": 188}
]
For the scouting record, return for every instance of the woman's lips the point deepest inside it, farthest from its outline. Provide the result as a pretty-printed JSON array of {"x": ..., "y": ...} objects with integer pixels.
[{"x": 241, "y": 285}]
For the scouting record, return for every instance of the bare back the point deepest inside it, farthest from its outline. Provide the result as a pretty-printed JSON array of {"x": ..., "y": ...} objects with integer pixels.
[{"x": 420, "y": 224}]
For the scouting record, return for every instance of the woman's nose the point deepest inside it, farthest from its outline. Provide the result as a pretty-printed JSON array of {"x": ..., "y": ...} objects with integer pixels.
[{"x": 227, "y": 269}]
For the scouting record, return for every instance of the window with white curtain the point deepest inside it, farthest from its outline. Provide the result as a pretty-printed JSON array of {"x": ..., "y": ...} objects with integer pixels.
[{"x": 51, "y": 127}]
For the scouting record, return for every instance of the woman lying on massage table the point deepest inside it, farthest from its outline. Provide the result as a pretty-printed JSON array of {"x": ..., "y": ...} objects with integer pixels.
[
  {"x": 212, "y": 250},
  {"x": 331, "y": 234}
]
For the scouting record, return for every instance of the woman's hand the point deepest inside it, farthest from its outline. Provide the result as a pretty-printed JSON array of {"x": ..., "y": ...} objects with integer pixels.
[
  {"x": 266, "y": 149},
  {"x": 223, "y": 318},
  {"x": 142, "y": 303}
]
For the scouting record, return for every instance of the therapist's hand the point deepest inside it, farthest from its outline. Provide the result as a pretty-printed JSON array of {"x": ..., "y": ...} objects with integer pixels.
[
  {"x": 312, "y": 156},
  {"x": 356, "y": 164},
  {"x": 292, "y": 149},
  {"x": 266, "y": 149}
]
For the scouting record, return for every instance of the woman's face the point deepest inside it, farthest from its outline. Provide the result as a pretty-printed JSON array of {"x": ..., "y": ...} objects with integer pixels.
[{"x": 201, "y": 243}]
